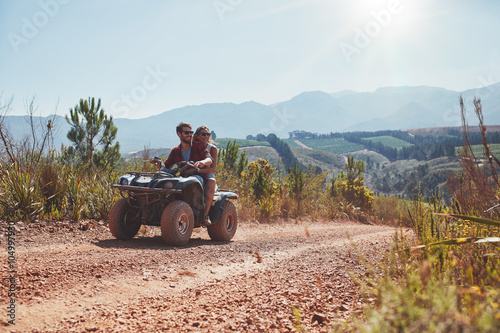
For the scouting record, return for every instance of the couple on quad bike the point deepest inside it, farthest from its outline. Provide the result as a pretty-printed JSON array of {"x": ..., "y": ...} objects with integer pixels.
[
  {"x": 202, "y": 155},
  {"x": 177, "y": 199}
]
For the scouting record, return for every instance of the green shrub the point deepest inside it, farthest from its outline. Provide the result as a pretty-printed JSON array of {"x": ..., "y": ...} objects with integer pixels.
[
  {"x": 259, "y": 188},
  {"x": 21, "y": 196}
]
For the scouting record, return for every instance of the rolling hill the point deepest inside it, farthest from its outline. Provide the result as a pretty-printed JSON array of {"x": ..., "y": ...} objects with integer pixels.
[{"x": 316, "y": 111}]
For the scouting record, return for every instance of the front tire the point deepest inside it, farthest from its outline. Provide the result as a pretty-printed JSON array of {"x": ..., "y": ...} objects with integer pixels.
[
  {"x": 177, "y": 223},
  {"x": 123, "y": 222},
  {"x": 226, "y": 228}
]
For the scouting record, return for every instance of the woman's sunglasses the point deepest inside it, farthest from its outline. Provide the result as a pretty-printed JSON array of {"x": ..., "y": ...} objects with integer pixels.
[{"x": 205, "y": 134}]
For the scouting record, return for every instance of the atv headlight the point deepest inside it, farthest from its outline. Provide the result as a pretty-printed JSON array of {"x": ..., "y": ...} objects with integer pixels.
[
  {"x": 168, "y": 185},
  {"x": 123, "y": 181}
]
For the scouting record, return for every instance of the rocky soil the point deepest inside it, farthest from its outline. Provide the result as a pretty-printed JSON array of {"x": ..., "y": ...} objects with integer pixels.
[{"x": 75, "y": 277}]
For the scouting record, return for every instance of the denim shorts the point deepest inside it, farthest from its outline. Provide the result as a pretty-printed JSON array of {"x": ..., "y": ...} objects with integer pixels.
[
  {"x": 211, "y": 176},
  {"x": 202, "y": 181}
]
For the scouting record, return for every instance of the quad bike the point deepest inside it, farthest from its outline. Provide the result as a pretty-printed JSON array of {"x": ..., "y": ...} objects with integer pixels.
[{"x": 174, "y": 200}]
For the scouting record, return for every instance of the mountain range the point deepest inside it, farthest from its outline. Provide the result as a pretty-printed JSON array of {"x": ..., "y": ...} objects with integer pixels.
[{"x": 315, "y": 111}]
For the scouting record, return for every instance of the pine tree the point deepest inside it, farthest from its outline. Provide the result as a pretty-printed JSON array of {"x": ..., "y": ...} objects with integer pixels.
[{"x": 95, "y": 130}]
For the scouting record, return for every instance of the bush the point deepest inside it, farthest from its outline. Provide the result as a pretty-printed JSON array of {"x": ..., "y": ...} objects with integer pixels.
[{"x": 391, "y": 211}]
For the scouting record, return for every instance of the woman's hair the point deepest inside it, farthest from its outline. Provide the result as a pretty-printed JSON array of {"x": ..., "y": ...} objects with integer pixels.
[{"x": 198, "y": 131}]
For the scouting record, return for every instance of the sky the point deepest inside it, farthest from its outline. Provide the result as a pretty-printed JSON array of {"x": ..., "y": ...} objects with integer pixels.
[{"x": 146, "y": 57}]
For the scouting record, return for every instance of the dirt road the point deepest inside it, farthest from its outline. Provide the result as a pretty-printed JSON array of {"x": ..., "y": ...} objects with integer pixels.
[
  {"x": 301, "y": 144},
  {"x": 77, "y": 278}
]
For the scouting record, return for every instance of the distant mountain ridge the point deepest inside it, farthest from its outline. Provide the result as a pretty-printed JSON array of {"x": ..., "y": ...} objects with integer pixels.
[{"x": 316, "y": 111}]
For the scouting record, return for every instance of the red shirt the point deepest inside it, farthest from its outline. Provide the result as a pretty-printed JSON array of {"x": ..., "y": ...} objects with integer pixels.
[{"x": 198, "y": 152}]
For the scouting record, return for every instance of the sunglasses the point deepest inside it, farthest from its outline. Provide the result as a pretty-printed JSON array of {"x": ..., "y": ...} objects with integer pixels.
[
  {"x": 205, "y": 134},
  {"x": 187, "y": 132}
]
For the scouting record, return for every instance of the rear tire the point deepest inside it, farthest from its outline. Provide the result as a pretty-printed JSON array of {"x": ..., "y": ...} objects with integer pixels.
[
  {"x": 122, "y": 220},
  {"x": 226, "y": 228},
  {"x": 177, "y": 223}
]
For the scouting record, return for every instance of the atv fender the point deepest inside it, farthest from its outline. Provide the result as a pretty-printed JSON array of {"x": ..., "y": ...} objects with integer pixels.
[
  {"x": 185, "y": 182},
  {"x": 192, "y": 193},
  {"x": 216, "y": 210}
]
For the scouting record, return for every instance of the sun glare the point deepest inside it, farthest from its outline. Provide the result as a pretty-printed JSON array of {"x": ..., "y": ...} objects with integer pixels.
[{"x": 369, "y": 4}]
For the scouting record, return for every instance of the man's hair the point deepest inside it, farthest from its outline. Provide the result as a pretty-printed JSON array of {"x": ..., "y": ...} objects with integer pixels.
[{"x": 179, "y": 127}]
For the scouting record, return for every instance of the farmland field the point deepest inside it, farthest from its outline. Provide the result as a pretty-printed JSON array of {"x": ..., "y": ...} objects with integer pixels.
[
  {"x": 389, "y": 141},
  {"x": 478, "y": 150},
  {"x": 368, "y": 154},
  {"x": 332, "y": 145}
]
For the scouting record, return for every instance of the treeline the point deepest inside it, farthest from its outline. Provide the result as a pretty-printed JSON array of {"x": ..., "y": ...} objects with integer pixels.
[
  {"x": 346, "y": 135},
  {"x": 424, "y": 147},
  {"x": 454, "y": 136},
  {"x": 283, "y": 149}
]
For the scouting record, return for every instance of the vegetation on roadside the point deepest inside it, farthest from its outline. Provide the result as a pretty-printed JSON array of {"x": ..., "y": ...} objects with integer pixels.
[
  {"x": 39, "y": 182},
  {"x": 447, "y": 277}
]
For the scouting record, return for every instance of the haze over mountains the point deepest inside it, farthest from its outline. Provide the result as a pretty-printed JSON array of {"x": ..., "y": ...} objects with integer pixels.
[{"x": 319, "y": 112}]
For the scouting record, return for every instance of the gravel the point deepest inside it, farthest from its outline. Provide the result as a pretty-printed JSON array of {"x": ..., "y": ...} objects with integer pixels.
[{"x": 75, "y": 277}]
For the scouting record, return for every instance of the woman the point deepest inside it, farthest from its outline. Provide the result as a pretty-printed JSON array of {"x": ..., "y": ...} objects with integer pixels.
[{"x": 202, "y": 135}]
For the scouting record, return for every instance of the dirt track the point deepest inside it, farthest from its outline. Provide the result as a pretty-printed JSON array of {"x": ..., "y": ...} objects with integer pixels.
[{"x": 72, "y": 279}]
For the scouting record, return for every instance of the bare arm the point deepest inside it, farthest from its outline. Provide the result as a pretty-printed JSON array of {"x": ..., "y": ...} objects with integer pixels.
[
  {"x": 214, "y": 153},
  {"x": 203, "y": 163},
  {"x": 207, "y": 161}
]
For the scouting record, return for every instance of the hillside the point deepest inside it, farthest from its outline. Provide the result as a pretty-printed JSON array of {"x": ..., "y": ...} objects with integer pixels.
[
  {"x": 392, "y": 108},
  {"x": 396, "y": 162},
  {"x": 333, "y": 163}
]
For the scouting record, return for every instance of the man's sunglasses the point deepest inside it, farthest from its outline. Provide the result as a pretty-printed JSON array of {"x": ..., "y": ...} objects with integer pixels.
[
  {"x": 187, "y": 132},
  {"x": 205, "y": 134}
]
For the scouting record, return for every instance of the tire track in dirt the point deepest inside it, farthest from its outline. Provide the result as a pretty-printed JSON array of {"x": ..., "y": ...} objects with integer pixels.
[{"x": 201, "y": 266}]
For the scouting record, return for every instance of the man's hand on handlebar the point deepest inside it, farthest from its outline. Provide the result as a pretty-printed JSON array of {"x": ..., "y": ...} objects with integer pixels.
[{"x": 156, "y": 161}]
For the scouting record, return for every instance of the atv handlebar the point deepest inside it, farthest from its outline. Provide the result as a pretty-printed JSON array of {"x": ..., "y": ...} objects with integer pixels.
[{"x": 183, "y": 169}]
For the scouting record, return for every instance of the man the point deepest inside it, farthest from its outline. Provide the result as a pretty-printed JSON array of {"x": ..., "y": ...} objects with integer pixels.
[{"x": 195, "y": 152}]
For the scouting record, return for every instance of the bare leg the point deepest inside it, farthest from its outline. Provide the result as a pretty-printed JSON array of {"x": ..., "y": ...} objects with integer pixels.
[{"x": 209, "y": 194}]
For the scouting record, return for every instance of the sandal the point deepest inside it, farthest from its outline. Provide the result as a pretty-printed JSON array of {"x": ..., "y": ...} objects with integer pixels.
[{"x": 207, "y": 222}]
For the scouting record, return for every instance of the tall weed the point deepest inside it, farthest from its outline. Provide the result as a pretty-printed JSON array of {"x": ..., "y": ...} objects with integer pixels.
[
  {"x": 76, "y": 196},
  {"x": 425, "y": 299},
  {"x": 101, "y": 194},
  {"x": 391, "y": 211},
  {"x": 20, "y": 195}
]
